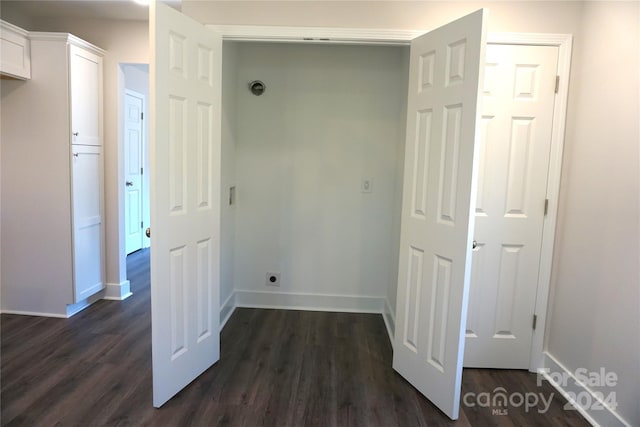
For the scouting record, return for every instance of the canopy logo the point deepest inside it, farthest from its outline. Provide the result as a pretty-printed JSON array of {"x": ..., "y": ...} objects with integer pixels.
[
  {"x": 595, "y": 400},
  {"x": 500, "y": 402}
]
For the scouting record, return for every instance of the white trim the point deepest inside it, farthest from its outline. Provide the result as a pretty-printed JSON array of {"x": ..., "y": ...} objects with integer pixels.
[
  {"x": 35, "y": 313},
  {"x": 537, "y": 39},
  {"x": 321, "y": 35},
  {"x": 66, "y": 37},
  {"x": 573, "y": 388},
  {"x": 227, "y": 308},
  {"x": 389, "y": 318},
  {"x": 76, "y": 308},
  {"x": 4, "y": 25},
  {"x": 309, "y": 301},
  {"x": 118, "y": 292}
]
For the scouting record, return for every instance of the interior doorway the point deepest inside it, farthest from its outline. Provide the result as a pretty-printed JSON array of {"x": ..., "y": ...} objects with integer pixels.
[
  {"x": 176, "y": 61},
  {"x": 135, "y": 156}
]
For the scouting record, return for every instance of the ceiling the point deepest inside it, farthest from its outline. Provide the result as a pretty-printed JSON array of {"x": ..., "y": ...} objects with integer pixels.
[{"x": 102, "y": 9}]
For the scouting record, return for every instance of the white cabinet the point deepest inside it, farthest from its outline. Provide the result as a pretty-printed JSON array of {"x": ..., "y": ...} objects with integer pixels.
[
  {"x": 88, "y": 232},
  {"x": 15, "y": 56},
  {"x": 52, "y": 180}
]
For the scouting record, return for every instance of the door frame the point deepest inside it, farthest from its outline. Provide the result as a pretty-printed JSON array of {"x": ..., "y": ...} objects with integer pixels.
[{"x": 120, "y": 290}]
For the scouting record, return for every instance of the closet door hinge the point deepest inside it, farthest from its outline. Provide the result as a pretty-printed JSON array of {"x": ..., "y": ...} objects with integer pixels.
[
  {"x": 141, "y": 171},
  {"x": 141, "y": 224},
  {"x": 535, "y": 320},
  {"x": 546, "y": 206},
  {"x": 557, "y": 84},
  {"x": 142, "y": 114}
]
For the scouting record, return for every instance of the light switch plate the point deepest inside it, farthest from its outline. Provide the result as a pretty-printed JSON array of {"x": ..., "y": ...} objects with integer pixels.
[{"x": 367, "y": 185}]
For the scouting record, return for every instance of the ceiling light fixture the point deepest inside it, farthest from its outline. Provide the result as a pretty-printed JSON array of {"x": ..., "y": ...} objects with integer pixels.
[{"x": 142, "y": 2}]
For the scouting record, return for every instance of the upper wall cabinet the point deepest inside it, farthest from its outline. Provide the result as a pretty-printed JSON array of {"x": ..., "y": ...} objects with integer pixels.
[{"x": 15, "y": 52}]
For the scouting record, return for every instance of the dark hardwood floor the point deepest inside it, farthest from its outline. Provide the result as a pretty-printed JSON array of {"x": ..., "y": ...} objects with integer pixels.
[{"x": 277, "y": 368}]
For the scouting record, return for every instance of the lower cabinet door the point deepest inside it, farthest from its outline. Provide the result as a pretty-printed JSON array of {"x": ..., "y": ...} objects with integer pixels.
[{"x": 88, "y": 233}]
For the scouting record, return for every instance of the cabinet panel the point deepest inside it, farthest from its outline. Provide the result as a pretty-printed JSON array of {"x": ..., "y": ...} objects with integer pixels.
[
  {"x": 15, "y": 60},
  {"x": 86, "y": 96},
  {"x": 87, "y": 220}
]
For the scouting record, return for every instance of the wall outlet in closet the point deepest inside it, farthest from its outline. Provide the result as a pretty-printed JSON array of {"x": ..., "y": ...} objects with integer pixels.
[{"x": 273, "y": 279}]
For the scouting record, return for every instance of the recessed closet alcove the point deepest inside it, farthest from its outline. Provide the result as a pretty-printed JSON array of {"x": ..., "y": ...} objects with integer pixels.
[{"x": 316, "y": 162}]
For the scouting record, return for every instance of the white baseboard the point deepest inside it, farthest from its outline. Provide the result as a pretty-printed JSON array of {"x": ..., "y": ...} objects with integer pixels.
[
  {"x": 311, "y": 302},
  {"x": 81, "y": 305},
  {"x": 227, "y": 308},
  {"x": 118, "y": 292},
  {"x": 389, "y": 320},
  {"x": 70, "y": 309},
  {"x": 35, "y": 313},
  {"x": 603, "y": 416}
]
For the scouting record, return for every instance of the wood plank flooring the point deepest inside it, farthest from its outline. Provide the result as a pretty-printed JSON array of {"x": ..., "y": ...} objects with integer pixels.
[{"x": 277, "y": 368}]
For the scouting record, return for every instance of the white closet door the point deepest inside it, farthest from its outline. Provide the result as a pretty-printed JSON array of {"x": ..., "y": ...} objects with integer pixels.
[
  {"x": 87, "y": 220},
  {"x": 438, "y": 206},
  {"x": 86, "y": 96},
  {"x": 185, "y": 127},
  {"x": 515, "y": 143}
]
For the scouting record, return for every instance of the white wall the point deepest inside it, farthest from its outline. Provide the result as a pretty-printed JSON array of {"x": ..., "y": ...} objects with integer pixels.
[
  {"x": 392, "y": 286},
  {"x": 136, "y": 78},
  {"x": 227, "y": 212},
  {"x": 595, "y": 306},
  {"x": 522, "y": 16},
  {"x": 331, "y": 116}
]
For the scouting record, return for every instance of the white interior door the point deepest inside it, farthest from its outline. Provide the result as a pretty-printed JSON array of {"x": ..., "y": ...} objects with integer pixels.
[
  {"x": 437, "y": 209},
  {"x": 133, "y": 160},
  {"x": 185, "y": 79},
  {"x": 515, "y": 143}
]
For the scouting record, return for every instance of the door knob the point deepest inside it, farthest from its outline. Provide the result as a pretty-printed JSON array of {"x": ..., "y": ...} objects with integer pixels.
[
  {"x": 474, "y": 245},
  {"x": 148, "y": 232},
  {"x": 129, "y": 184}
]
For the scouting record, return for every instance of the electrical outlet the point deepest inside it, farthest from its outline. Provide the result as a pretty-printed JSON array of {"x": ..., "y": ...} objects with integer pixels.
[
  {"x": 367, "y": 185},
  {"x": 273, "y": 279}
]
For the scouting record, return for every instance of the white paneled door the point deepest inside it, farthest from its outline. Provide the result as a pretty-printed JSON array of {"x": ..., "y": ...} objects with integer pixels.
[
  {"x": 437, "y": 209},
  {"x": 185, "y": 199},
  {"x": 515, "y": 142},
  {"x": 133, "y": 160}
]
